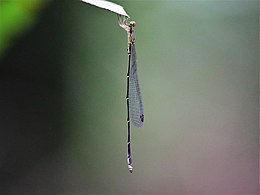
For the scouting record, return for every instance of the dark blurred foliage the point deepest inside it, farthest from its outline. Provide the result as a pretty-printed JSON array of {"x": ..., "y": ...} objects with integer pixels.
[{"x": 31, "y": 100}]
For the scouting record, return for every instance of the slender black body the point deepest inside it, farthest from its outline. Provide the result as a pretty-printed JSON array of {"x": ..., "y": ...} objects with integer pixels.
[{"x": 129, "y": 155}]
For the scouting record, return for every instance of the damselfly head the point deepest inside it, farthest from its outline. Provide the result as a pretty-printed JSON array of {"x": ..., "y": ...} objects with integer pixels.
[{"x": 132, "y": 23}]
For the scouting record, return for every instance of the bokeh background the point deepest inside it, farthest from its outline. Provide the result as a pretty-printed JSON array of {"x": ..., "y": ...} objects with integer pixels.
[{"x": 62, "y": 98}]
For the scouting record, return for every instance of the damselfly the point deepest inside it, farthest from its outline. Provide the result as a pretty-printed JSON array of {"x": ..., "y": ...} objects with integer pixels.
[{"x": 135, "y": 109}]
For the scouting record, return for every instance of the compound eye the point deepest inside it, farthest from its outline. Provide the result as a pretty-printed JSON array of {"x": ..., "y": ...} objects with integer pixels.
[{"x": 132, "y": 23}]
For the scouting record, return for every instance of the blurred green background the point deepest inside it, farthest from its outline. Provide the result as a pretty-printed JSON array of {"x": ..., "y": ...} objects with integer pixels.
[{"x": 62, "y": 98}]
